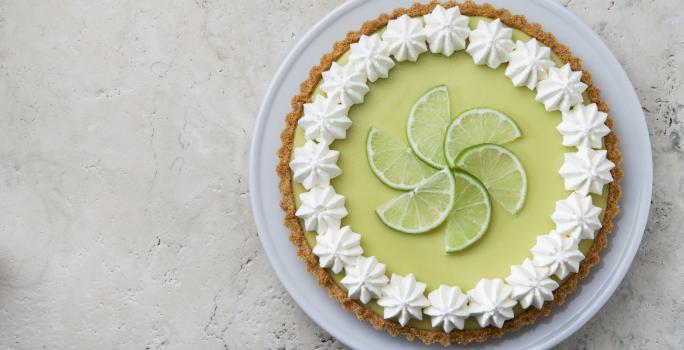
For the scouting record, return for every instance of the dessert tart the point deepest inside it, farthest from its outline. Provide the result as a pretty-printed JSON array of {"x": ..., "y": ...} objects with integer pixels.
[{"x": 449, "y": 172}]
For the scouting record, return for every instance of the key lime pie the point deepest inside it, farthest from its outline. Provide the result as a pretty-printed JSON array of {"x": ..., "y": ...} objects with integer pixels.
[{"x": 449, "y": 172}]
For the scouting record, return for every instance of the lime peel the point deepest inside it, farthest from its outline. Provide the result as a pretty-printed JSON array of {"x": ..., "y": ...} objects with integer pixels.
[
  {"x": 427, "y": 124},
  {"x": 477, "y": 126},
  {"x": 500, "y": 171},
  {"x": 422, "y": 209},
  {"x": 394, "y": 163},
  {"x": 471, "y": 215}
]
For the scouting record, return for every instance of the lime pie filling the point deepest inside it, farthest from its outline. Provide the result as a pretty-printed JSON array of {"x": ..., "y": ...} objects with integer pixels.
[{"x": 513, "y": 266}]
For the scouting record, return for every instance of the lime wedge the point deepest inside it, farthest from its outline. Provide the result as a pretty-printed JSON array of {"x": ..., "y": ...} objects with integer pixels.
[
  {"x": 422, "y": 209},
  {"x": 394, "y": 163},
  {"x": 476, "y": 126},
  {"x": 469, "y": 220},
  {"x": 500, "y": 171},
  {"x": 427, "y": 124}
]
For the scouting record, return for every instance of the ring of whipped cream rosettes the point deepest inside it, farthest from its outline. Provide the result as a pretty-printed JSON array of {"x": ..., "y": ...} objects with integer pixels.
[{"x": 491, "y": 302}]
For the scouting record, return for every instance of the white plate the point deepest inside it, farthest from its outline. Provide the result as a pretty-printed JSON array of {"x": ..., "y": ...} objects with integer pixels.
[{"x": 593, "y": 292}]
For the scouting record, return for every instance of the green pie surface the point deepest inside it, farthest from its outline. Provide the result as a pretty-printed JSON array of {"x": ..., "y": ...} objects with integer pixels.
[{"x": 510, "y": 237}]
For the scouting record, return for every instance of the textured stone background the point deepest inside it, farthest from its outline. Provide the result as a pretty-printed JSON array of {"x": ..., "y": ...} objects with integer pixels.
[{"x": 124, "y": 211}]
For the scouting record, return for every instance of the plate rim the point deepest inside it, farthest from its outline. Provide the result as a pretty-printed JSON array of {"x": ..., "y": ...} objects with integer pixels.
[{"x": 606, "y": 288}]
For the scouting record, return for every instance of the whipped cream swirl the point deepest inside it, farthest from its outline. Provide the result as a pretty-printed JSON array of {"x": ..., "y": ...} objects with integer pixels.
[
  {"x": 531, "y": 284},
  {"x": 371, "y": 55},
  {"x": 576, "y": 217},
  {"x": 584, "y": 126},
  {"x": 365, "y": 279},
  {"x": 586, "y": 170},
  {"x": 448, "y": 308},
  {"x": 338, "y": 248},
  {"x": 403, "y": 299},
  {"x": 490, "y": 43},
  {"x": 446, "y": 30},
  {"x": 325, "y": 120},
  {"x": 560, "y": 254},
  {"x": 406, "y": 38},
  {"x": 561, "y": 90},
  {"x": 314, "y": 164},
  {"x": 345, "y": 84},
  {"x": 321, "y": 209},
  {"x": 491, "y": 302},
  {"x": 528, "y": 63}
]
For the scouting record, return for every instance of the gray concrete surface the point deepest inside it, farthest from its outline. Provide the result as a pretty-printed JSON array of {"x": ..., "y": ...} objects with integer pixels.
[{"x": 124, "y": 214}]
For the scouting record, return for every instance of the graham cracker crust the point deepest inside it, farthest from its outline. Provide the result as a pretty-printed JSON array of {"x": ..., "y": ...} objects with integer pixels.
[{"x": 323, "y": 276}]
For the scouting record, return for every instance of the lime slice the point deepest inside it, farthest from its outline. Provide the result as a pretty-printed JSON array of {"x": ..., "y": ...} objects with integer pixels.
[
  {"x": 476, "y": 126},
  {"x": 469, "y": 220},
  {"x": 394, "y": 163},
  {"x": 500, "y": 171},
  {"x": 422, "y": 209},
  {"x": 427, "y": 124}
]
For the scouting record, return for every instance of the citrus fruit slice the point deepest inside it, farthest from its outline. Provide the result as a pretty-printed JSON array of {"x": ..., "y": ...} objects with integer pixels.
[
  {"x": 476, "y": 126},
  {"x": 427, "y": 124},
  {"x": 470, "y": 217},
  {"x": 422, "y": 209},
  {"x": 500, "y": 171},
  {"x": 394, "y": 163}
]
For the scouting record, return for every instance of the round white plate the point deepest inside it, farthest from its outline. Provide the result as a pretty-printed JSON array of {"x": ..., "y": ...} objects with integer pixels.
[{"x": 593, "y": 292}]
